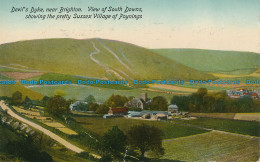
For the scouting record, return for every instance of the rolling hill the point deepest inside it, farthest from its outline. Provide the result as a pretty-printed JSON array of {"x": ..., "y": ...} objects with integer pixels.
[
  {"x": 97, "y": 58},
  {"x": 8, "y": 90},
  {"x": 229, "y": 62}
]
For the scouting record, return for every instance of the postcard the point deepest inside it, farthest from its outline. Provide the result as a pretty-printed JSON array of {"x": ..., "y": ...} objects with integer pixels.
[{"x": 129, "y": 80}]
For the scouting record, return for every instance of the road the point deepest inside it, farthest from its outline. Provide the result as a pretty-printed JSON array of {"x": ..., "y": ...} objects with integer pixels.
[{"x": 45, "y": 131}]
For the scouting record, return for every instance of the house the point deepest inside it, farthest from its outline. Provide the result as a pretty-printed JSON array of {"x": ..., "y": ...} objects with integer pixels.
[
  {"x": 142, "y": 102},
  {"x": 254, "y": 95},
  {"x": 118, "y": 111},
  {"x": 173, "y": 108},
  {"x": 74, "y": 106}
]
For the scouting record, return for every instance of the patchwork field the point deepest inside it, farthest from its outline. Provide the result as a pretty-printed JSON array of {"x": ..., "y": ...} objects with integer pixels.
[
  {"x": 212, "y": 146},
  {"x": 100, "y": 126},
  {"x": 35, "y": 114},
  {"x": 227, "y": 75},
  {"x": 182, "y": 88}
]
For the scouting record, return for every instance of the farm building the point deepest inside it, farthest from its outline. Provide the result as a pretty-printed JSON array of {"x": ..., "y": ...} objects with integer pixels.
[
  {"x": 173, "y": 108},
  {"x": 142, "y": 102},
  {"x": 118, "y": 111},
  {"x": 76, "y": 104}
]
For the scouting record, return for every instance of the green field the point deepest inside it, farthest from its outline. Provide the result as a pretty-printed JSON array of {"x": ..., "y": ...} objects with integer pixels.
[
  {"x": 70, "y": 56},
  {"x": 2, "y": 77},
  {"x": 100, "y": 94},
  {"x": 8, "y": 90},
  {"x": 212, "y": 146},
  {"x": 100, "y": 126},
  {"x": 74, "y": 80},
  {"x": 231, "y": 62},
  {"x": 228, "y": 125}
]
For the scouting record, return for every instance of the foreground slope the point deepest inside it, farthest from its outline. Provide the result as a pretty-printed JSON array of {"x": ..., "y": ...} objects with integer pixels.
[{"x": 94, "y": 58}]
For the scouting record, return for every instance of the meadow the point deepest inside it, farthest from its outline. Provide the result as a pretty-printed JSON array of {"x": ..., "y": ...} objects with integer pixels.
[
  {"x": 228, "y": 125},
  {"x": 100, "y": 126},
  {"x": 100, "y": 94},
  {"x": 212, "y": 146}
]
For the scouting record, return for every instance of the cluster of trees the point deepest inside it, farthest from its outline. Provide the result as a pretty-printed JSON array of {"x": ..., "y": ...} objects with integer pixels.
[
  {"x": 220, "y": 102},
  {"x": 139, "y": 139},
  {"x": 158, "y": 102}
]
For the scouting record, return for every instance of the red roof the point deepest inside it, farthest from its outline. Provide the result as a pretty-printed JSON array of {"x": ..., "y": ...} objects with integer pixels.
[{"x": 118, "y": 110}]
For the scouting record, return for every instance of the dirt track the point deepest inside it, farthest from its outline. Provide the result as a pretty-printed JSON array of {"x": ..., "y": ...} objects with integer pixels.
[{"x": 45, "y": 131}]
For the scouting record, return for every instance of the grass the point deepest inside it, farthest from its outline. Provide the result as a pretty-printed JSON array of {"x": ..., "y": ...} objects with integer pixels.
[
  {"x": 100, "y": 94},
  {"x": 8, "y": 90},
  {"x": 233, "y": 62},
  {"x": 74, "y": 80},
  {"x": 212, "y": 146},
  {"x": 10, "y": 69},
  {"x": 228, "y": 125},
  {"x": 70, "y": 56},
  {"x": 2, "y": 77},
  {"x": 100, "y": 126}
]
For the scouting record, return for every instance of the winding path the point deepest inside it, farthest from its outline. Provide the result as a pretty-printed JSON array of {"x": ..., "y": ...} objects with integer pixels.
[
  {"x": 108, "y": 70},
  {"x": 115, "y": 55}
]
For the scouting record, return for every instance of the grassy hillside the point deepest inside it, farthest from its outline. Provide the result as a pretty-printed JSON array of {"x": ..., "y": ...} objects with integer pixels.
[
  {"x": 214, "y": 61},
  {"x": 94, "y": 58},
  {"x": 8, "y": 90}
]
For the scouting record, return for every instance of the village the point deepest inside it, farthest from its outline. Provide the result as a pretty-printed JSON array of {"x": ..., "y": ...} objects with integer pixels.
[
  {"x": 140, "y": 111},
  {"x": 242, "y": 92}
]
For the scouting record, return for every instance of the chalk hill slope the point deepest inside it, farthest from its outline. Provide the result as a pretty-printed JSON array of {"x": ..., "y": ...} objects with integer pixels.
[{"x": 97, "y": 58}]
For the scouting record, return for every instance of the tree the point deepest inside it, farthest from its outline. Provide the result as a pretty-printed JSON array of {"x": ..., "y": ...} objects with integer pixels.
[
  {"x": 82, "y": 107},
  {"x": 115, "y": 101},
  {"x": 90, "y": 99},
  {"x": 57, "y": 106},
  {"x": 209, "y": 103},
  {"x": 182, "y": 102},
  {"x": 159, "y": 103},
  {"x": 114, "y": 142},
  {"x": 45, "y": 100},
  {"x": 145, "y": 138},
  {"x": 93, "y": 107},
  {"x": 27, "y": 103},
  {"x": 59, "y": 92},
  {"x": 17, "y": 97},
  {"x": 102, "y": 109}
]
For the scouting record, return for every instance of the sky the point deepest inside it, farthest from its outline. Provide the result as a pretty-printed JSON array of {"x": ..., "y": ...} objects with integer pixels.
[{"x": 202, "y": 24}]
